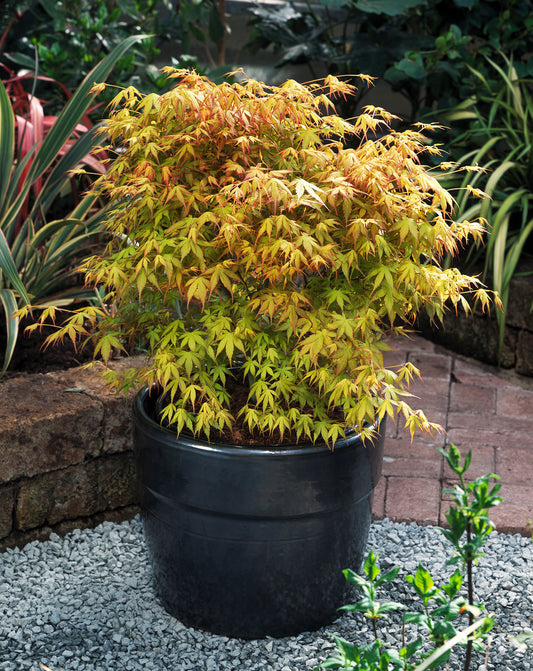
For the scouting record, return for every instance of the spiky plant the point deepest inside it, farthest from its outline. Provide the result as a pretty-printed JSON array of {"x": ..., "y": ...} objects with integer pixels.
[{"x": 246, "y": 234}]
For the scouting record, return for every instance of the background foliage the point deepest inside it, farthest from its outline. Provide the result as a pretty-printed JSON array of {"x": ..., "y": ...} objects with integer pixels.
[
  {"x": 64, "y": 40},
  {"x": 441, "y": 55},
  {"x": 422, "y": 48},
  {"x": 494, "y": 129}
]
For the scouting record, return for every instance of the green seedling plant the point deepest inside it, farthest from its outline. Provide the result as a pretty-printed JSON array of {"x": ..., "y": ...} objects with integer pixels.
[
  {"x": 468, "y": 521},
  {"x": 442, "y": 607}
]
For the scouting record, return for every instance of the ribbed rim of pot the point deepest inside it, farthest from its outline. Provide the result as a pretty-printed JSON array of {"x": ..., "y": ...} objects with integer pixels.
[{"x": 188, "y": 440}]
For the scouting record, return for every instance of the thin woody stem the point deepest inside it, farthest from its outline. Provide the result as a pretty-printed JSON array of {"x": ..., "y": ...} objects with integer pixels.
[{"x": 470, "y": 587}]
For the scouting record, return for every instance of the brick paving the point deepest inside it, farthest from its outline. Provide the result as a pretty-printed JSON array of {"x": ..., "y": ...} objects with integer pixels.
[{"x": 482, "y": 409}]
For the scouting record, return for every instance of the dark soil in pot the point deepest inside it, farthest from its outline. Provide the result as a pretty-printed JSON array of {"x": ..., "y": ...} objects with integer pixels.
[{"x": 239, "y": 433}]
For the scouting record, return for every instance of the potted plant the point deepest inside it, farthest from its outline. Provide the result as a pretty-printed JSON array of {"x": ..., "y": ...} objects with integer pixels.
[{"x": 259, "y": 262}]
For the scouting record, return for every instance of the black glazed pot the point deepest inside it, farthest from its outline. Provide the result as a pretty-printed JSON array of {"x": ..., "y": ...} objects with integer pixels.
[{"x": 251, "y": 543}]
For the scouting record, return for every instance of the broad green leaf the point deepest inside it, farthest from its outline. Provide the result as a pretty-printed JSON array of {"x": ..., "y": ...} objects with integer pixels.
[
  {"x": 387, "y": 577},
  {"x": 412, "y": 647},
  {"x": 423, "y": 582},
  {"x": 415, "y": 618},
  {"x": 390, "y": 606},
  {"x": 444, "y": 630},
  {"x": 450, "y": 611},
  {"x": 412, "y": 68},
  {"x": 353, "y": 578},
  {"x": 370, "y": 566},
  {"x": 362, "y": 606}
]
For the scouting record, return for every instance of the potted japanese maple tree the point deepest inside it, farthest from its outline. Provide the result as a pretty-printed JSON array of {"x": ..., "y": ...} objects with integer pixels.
[{"x": 261, "y": 248}]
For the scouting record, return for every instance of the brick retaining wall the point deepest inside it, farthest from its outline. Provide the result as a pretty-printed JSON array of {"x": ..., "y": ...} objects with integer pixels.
[{"x": 66, "y": 455}]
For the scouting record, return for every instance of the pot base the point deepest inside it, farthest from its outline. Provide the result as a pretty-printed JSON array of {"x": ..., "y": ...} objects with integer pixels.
[{"x": 257, "y": 587}]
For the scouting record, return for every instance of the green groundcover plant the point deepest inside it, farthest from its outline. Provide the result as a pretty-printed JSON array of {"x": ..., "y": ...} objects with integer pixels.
[
  {"x": 246, "y": 233},
  {"x": 441, "y": 607}
]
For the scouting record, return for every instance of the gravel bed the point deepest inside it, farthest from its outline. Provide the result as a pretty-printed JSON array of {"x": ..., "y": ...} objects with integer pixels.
[{"x": 85, "y": 602}]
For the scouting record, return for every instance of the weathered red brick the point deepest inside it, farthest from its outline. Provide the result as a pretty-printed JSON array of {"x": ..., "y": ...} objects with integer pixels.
[
  {"x": 467, "y": 372},
  {"x": 118, "y": 419},
  {"x": 514, "y": 402},
  {"x": 432, "y": 365},
  {"x": 412, "y": 467},
  {"x": 423, "y": 387},
  {"x": 497, "y": 424},
  {"x": 515, "y": 465},
  {"x": 416, "y": 343},
  {"x": 394, "y": 358},
  {"x": 423, "y": 446},
  {"x": 471, "y": 438},
  {"x": 81, "y": 490},
  {"x": 378, "y": 500},
  {"x": 516, "y": 510},
  {"x": 472, "y": 398},
  {"x": 413, "y": 500}
]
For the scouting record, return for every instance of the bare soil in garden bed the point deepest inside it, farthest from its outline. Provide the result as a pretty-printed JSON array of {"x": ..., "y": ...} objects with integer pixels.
[{"x": 31, "y": 355}]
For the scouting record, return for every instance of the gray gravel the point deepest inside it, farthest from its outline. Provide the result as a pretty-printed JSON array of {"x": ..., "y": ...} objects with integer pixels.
[{"x": 85, "y": 602}]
